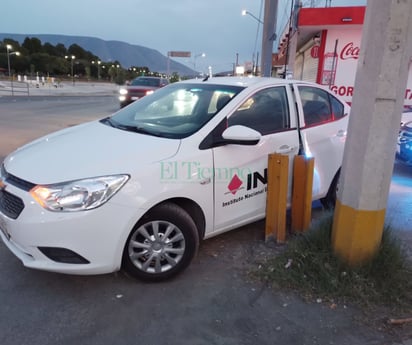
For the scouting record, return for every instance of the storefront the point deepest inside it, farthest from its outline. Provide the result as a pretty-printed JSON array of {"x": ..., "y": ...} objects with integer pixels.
[{"x": 327, "y": 42}]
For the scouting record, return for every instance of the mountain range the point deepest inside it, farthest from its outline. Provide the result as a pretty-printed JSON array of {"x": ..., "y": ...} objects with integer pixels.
[{"x": 127, "y": 54}]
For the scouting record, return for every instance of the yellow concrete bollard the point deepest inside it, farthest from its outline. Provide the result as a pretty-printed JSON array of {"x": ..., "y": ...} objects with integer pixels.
[
  {"x": 276, "y": 199},
  {"x": 302, "y": 193}
]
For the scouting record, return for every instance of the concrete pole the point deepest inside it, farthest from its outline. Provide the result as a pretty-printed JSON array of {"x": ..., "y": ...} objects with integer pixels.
[
  {"x": 367, "y": 168},
  {"x": 268, "y": 36}
]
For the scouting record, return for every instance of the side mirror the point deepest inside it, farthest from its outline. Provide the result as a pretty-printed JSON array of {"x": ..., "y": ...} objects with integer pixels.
[{"x": 241, "y": 135}]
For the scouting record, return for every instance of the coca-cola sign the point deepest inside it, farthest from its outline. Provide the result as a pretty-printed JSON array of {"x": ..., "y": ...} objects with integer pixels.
[{"x": 350, "y": 51}]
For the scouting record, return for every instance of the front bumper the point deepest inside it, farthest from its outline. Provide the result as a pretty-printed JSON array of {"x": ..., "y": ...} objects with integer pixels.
[{"x": 96, "y": 237}]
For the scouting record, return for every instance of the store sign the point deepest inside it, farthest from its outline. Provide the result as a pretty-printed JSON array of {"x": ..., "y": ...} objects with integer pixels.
[
  {"x": 180, "y": 54},
  {"x": 350, "y": 51},
  {"x": 314, "y": 52}
]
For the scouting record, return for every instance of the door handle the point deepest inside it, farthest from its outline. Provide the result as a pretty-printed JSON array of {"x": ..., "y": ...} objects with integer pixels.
[
  {"x": 341, "y": 133},
  {"x": 285, "y": 149},
  {"x": 207, "y": 180}
]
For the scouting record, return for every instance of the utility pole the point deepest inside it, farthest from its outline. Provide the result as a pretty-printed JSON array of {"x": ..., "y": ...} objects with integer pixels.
[
  {"x": 269, "y": 35},
  {"x": 292, "y": 40},
  {"x": 368, "y": 160}
]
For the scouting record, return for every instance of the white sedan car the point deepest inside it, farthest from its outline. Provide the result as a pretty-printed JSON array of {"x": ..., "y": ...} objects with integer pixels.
[{"x": 138, "y": 190}]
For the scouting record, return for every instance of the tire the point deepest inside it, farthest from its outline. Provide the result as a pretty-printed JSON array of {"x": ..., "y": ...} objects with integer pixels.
[
  {"x": 161, "y": 245},
  {"x": 329, "y": 201}
]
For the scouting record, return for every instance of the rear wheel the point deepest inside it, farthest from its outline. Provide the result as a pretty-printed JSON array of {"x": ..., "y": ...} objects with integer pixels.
[{"x": 162, "y": 244}]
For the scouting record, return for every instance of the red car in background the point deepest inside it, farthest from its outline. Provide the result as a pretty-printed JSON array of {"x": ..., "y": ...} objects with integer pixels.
[{"x": 140, "y": 87}]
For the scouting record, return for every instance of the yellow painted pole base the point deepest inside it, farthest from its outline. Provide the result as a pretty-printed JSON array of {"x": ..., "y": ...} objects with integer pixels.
[{"x": 356, "y": 234}]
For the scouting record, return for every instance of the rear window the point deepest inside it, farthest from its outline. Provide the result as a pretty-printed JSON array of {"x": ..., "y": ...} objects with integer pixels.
[{"x": 319, "y": 106}]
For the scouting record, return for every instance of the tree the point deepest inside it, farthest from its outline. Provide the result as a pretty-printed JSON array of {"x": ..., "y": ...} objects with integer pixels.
[
  {"x": 61, "y": 50},
  {"x": 175, "y": 77},
  {"x": 32, "y": 45},
  {"x": 13, "y": 43},
  {"x": 50, "y": 49}
]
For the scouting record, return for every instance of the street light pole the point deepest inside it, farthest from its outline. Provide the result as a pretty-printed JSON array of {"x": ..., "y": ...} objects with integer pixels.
[
  {"x": 194, "y": 63},
  {"x": 9, "y": 47},
  {"x": 254, "y": 58},
  {"x": 244, "y": 12},
  {"x": 98, "y": 69},
  {"x": 72, "y": 61},
  {"x": 98, "y": 62}
]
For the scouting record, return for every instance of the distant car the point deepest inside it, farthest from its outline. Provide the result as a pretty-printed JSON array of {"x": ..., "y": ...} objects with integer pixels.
[
  {"x": 140, "y": 189},
  {"x": 140, "y": 87},
  {"x": 404, "y": 147}
]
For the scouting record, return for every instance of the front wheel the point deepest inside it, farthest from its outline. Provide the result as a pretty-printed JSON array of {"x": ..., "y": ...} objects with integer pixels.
[{"x": 162, "y": 244}]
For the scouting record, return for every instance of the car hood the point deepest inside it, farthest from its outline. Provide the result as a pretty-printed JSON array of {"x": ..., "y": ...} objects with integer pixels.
[{"x": 88, "y": 150}]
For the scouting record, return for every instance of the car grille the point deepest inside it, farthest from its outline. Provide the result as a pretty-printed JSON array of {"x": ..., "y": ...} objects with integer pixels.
[
  {"x": 10, "y": 205},
  {"x": 16, "y": 181},
  {"x": 140, "y": 93}
]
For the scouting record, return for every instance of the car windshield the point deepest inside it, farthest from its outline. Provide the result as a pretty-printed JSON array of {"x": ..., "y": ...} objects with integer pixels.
[
  {"x": 175, "y": 111},
  {"x": 141, "y": 81}
]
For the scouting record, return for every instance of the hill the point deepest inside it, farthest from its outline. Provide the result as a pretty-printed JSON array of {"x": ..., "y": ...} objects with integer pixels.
[{"x": 127, "y": 54}]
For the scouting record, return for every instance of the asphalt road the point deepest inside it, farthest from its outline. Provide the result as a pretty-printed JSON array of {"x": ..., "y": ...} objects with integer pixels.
[
  {"x": 213, "y": 302},
  {"x": 23, "y": 119}
]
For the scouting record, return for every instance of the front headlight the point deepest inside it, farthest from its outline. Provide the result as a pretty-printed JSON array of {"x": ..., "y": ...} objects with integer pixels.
[
  {"x": 78, "y": 195},
  {"x": 123, "y": 91}
]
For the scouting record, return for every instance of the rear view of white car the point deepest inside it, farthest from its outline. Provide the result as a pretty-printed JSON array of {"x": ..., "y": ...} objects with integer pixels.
[{"x": 140, "y": 189}]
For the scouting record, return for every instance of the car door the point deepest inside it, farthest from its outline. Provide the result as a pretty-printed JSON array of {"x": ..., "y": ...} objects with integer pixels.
[
  {"x": 241, "y": 170},
  {"x": 324, "y": 124}
]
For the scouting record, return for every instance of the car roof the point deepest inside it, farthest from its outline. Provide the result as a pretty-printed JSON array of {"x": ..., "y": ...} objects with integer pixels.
[
  {"x": 245, "y": 81},
  {"x": 147, "y": 77}
]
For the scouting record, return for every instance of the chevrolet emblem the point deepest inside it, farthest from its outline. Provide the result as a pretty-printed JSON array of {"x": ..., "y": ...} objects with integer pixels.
[{"x": 2, "y": 185}]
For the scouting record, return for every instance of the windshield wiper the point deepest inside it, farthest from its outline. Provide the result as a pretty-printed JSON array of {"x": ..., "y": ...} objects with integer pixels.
[
  {"x": 139, "y": 129},
  {"x": 108, "y": 121},
  {"x": 135, "y": 129}
]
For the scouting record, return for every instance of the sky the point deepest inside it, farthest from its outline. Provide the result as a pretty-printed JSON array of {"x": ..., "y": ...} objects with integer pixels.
[{"x": 213, "y": 27}]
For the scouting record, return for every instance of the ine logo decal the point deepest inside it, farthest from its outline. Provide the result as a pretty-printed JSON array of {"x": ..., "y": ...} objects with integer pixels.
[
  {"x": 255, "y": 185},
  {"x": 252, "y": 180},
  {"x": 235, "y": 185}
]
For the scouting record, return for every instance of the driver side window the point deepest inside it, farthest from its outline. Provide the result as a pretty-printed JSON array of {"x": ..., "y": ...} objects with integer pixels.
[{"x": 266, "y": 111}]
